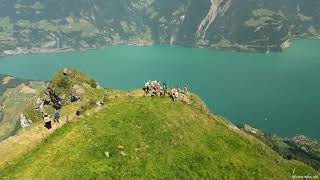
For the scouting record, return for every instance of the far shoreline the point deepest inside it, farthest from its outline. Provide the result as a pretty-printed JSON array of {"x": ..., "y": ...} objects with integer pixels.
[{"x": 231, "y": 48}]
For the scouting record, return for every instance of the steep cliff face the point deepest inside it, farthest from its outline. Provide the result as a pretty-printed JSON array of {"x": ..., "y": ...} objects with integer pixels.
[
  {"x": 228, "y": 24},
  {"x": 15, "y": 93}
]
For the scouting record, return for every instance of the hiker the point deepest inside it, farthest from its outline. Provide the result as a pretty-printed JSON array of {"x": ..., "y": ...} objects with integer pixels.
[
  {"x": 185, "y": 89},
  {"x": 100, "y": 103},
  {"x": 164, "y": 85},
  {"x": 56, "y": 115},
  {"x": 176, "y": 96},
  {"x": 164, "y": 89},
  {"x": 153, "y": 85},
  {"x": 47, "y": 121},
  {"x": 75, "y": 98},
  {"x": 24, "y": 122},
  {"x": 147, "y": 87},
  {"x": 171, "y": 94},
  {"x": 157, "y": 87},
  {"x": 79, "y": 111},
  {"x": 154, "y": 93}
]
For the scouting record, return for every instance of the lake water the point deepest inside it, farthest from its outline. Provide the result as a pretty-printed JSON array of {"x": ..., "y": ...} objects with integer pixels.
[{"x": 279, "y": 92}]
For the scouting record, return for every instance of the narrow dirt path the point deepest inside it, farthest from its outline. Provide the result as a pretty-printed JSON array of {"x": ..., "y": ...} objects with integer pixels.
[{"x": 26, "y": 139}]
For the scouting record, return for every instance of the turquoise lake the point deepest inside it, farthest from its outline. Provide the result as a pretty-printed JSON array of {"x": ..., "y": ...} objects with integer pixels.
[{"x": 279, "y": 92}]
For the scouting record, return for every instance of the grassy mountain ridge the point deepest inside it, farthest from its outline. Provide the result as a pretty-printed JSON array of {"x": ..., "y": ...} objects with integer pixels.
[{"x": 136, "y": 137}]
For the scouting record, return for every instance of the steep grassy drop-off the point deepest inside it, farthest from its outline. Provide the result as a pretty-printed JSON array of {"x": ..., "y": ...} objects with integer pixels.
[
  {"x": 14, "y": 95},
  {"x": 143, "y": 137},
  {"x": 298, "y": 147},
  {"x": 26, "y": 139}
]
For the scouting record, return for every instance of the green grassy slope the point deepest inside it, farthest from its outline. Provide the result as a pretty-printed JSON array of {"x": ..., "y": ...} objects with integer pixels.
[
  {"x": 136, "y": 137},
  {"x": 151, "y": 138}
]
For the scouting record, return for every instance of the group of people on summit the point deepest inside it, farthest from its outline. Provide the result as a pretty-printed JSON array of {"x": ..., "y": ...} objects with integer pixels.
[{"x": 154, "y": 88}]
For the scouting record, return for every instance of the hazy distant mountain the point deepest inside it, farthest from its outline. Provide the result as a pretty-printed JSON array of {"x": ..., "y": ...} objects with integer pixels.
[{"x": 228, "y": 24}]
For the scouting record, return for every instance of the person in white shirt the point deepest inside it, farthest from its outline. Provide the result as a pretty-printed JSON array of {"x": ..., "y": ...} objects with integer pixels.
[
  {"x": 47, "y": 121},
  {"x": 176, "y": 96}
]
